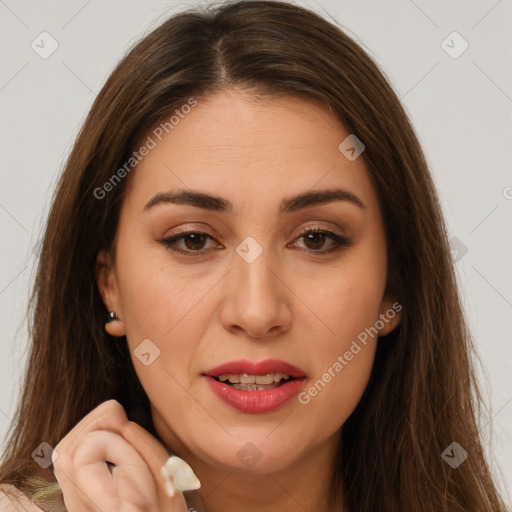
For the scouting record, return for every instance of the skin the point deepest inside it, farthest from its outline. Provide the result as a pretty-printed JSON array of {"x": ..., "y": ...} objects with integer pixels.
[
  {"x": 134, "y": 483},
  {"x": 295, "y": 302}
]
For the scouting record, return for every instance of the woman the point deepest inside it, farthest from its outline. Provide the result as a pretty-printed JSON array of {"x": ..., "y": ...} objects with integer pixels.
[{"x": 248, "y": 202}]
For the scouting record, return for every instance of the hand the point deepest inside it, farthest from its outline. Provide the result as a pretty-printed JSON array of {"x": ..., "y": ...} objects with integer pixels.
[{"x": 135, "y": 484}]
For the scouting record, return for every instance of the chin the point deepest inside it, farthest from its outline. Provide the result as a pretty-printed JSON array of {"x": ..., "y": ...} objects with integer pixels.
[{"x": 250, "y": 454}]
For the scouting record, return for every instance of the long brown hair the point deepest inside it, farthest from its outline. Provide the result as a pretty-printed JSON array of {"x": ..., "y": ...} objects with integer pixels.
[{"x": 422, "y": 394}]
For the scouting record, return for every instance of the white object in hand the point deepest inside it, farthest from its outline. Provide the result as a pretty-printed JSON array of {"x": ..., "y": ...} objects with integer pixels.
[{"x": 183, "y": 478}]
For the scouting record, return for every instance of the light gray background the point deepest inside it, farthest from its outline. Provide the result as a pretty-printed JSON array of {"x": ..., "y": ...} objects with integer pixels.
[{"x": 461, "y": 109}]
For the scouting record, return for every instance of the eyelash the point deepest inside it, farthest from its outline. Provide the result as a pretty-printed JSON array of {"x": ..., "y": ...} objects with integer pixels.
[{"x": 340, "y": 241}]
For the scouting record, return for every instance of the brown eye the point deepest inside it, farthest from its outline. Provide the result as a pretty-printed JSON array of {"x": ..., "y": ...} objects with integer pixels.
[
  {"x": 193, "y": 242},
  {"x": 315, "y": 240}
]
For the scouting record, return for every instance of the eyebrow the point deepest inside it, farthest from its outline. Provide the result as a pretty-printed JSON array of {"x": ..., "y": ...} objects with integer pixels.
[{"x": 221, "y": 205}]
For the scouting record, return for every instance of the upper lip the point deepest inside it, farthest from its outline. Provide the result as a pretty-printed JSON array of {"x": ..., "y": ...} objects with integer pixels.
[{"x": 256, "y": 368}]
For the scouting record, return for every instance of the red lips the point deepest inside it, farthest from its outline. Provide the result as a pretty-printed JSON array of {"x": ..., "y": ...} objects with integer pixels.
[{"x": 253, "y": 368}]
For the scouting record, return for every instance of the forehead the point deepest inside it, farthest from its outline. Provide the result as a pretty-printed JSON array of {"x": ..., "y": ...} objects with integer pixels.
[{"x": 230, "y": 144}]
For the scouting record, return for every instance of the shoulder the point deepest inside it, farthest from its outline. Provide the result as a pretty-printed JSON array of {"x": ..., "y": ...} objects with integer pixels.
[{"x": 13, "y": 500}]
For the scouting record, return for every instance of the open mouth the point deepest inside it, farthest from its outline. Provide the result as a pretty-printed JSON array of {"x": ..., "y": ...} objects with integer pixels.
[
  {"x": 247, "y": 382},
  {"x": 256, "y": 387}
]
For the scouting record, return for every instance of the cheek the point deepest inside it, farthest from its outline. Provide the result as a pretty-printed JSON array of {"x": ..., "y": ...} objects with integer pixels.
[
  {"x": 347, "y": 300},
  {"x": 155, "y": 297},
  {"x": 340, "y": 379},
  {"x": 348, "y": 306}
]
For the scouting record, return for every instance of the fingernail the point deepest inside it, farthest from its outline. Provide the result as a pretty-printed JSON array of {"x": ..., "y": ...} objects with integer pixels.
[{"x": 183, "y": 478}]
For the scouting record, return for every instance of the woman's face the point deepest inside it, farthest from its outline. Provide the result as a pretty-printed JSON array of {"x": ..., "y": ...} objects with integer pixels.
[{"x": 251, "y": 286}]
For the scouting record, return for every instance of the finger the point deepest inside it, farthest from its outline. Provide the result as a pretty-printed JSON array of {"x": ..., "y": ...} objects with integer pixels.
[
  {"x": 155, "y": 455},
  {"x": 110, "y": 410},
  {"x": 130, "y": 480},
  {"x": 100, "y": 446},
  {"x": 89, "y": 485},
  {"x": 109, "y": 415}
]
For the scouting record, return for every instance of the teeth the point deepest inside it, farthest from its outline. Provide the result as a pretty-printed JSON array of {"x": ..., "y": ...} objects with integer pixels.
[
  {"x": 244, "y": 378},
  {"x": 256, "y": 387},
  {"x": 265, "y": 379},
  {"x": 234, "y": 379}
]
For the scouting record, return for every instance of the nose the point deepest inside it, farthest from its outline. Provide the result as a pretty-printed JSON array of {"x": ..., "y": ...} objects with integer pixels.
[{"x": 257, "y": 298}]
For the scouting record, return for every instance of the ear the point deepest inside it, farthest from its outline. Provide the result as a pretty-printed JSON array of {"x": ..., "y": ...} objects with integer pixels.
[
  {"x": 390, "y": 314},
  {"x": 107, "y": 285}
]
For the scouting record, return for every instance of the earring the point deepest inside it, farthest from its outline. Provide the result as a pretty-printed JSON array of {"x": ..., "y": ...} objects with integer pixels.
[
  {"x": 112, "y": 316},
  {"x": 114, "y": 325}
]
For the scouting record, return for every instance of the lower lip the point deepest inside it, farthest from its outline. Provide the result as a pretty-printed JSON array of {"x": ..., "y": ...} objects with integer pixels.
[{"x": 256, "y": 402}]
